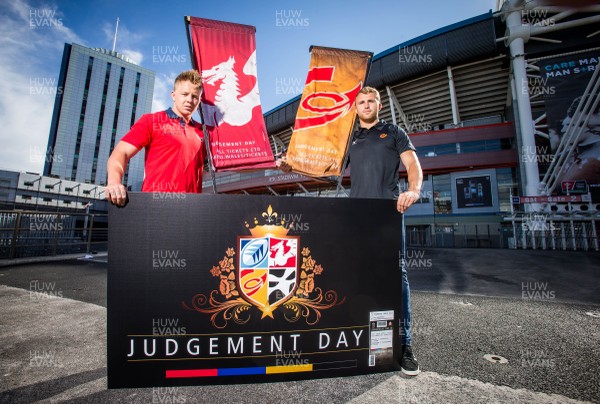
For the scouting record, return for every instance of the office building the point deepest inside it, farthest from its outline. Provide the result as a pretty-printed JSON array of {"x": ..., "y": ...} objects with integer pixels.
[{"x": 101, "y": 95}]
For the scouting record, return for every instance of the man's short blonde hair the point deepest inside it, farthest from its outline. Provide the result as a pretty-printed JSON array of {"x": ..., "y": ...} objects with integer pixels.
[
  {"x": 370, "y": 90},
  {"x": 189, "y": 75}
]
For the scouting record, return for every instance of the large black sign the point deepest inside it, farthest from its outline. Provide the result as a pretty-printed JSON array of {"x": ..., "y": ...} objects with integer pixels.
[
  {"x": 209, "y": 289},
  {"x": 564, "y": 80}
]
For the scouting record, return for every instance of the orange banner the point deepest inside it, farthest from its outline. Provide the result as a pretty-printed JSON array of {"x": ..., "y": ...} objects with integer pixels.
[{"x": 326, "y": 114}]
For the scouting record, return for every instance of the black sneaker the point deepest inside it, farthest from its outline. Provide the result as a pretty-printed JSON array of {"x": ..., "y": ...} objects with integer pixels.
[{"x": 408, "y": 362}]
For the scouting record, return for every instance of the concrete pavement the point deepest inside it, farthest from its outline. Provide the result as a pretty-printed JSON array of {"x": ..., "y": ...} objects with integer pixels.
[{"x": 466, "y": 304}]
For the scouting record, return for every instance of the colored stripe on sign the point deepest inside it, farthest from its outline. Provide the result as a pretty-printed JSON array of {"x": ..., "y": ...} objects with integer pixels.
[
  {"x": 185, "y": 373},
  {"x": 269, "y": 370},
  {"x": 289, "y": 369}
]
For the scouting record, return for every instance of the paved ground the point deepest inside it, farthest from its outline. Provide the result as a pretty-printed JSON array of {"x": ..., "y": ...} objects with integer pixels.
[{"x": 539, "y": 310}]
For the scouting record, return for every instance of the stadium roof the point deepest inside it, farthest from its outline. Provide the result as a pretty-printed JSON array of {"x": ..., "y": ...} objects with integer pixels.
[{"x": 456, "y": 43}]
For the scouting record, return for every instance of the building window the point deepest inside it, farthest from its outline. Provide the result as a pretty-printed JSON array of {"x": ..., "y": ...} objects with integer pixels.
[
  {"x": 100, "y": 122},
  {"x": 82, "y": 117}
]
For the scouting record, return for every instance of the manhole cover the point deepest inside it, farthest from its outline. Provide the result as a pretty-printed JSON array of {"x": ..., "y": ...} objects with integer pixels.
[
  {"x": 595, "y": 314},
  {"x": 495, "y": 358}
]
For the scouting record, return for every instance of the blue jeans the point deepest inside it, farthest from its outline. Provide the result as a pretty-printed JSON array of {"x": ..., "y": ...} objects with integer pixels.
[{"x": 405, "y": 318}]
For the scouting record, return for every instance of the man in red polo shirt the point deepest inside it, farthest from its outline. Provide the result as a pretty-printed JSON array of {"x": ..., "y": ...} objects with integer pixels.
[{"x": 173, "y": 142}]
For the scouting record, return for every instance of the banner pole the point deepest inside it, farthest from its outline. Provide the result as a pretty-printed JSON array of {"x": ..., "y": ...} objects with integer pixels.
[
  {"x": 346, "y": 154},
  {"x": 186, "y": 21}
]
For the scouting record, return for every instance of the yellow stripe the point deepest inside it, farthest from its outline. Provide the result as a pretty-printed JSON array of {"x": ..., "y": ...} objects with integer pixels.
[{"x": 289, "y": 369}]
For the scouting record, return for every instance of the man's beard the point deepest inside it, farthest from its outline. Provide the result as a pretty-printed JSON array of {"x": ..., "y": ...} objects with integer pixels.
[{"x": 370, "y": 119}]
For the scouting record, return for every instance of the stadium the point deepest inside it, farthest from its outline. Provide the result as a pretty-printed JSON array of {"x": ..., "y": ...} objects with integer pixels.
[{"x": 501, "y": 108}]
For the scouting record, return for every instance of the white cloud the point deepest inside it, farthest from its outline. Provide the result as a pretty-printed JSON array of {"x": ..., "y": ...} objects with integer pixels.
[
  {"x": 31, "y": 44},
  {"x": 163, "y": 85},
  {"x": 134, "y": 55}
]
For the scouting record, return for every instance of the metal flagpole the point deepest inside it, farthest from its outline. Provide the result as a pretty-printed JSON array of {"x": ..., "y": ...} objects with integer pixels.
[
  {"x": 346, "y": 154},
  {"x": 186, "y": 20},
  {"x": 345, "y": 161}
]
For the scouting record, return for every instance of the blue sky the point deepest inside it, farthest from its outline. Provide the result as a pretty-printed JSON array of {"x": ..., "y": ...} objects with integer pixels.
[{"x": 33, "y": 33}]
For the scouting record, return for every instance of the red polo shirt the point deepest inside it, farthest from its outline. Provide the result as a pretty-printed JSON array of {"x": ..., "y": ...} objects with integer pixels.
[{"x": 174, "y": 152}]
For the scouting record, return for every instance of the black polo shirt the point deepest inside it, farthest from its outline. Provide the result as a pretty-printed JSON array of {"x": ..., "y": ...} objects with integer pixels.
[{"x": 375, "y": 160}]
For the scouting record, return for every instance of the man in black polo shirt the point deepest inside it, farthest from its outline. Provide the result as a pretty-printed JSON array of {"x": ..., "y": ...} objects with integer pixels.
[{"x": 376, "y": 150}]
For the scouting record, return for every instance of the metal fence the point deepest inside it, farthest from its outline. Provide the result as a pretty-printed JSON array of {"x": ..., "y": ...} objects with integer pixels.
[
  {"x": 555, "y": 234},
  {"x": 32, "y": 234}
]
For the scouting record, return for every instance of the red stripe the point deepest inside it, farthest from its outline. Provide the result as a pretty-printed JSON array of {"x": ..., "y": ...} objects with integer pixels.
[{"x": 172, "y": 374}]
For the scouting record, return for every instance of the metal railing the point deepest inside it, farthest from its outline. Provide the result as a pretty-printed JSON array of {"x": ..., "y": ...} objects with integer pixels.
[
  {"x": 551, "y": 233},
  {"x": 34, "y": 234}
]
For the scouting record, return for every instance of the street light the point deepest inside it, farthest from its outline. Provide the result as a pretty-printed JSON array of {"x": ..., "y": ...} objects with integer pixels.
[
  {"x": 58, "y": 195},
  {"x": 29, "y": 184},
  {"x": 71, "y": 190},
  {"x": 51, "y": 186},
  {"x": 93, "y": 189},
  {"x": 87, "y": 213}
]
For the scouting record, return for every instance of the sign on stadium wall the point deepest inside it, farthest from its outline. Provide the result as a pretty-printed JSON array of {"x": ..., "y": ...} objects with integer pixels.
[
  {"x": 563, "y": 82},
  {"x": 211, "y": 289}
]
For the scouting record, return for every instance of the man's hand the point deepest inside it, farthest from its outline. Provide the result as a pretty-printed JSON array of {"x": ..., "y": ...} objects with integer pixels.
[
  {"x": 406, "y": 199},
  {"x": 116, "y": 194},
  {"x": 282, "y": 164}
]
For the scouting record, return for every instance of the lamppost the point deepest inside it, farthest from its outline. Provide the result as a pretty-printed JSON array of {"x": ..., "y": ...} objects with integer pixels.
[
  {"x": 71, "y": 190},
  {"x": 58, "y": 195},
  {"x": 48, "y": 186},
  {"x": 93, "y": 189},
  {"x": 87, "y": 214},
  {"x": 29, "y": 184}
]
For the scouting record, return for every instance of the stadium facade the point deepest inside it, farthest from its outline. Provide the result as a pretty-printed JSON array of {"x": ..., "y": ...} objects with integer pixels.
[{"x": 478, "y": 101}]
